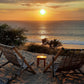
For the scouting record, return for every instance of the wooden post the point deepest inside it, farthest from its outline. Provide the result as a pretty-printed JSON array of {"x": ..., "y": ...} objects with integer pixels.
[
  {"x": 24, "y": 60},
  {"x": 52, "y": 66},
  {"x": 58, "y": 53},
  {"x": 1, "y": 54}
]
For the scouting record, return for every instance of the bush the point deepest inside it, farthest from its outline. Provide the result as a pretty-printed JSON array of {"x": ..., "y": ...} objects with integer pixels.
[
  {"x": 40, "y": 49},
  {"x": 52, "y": 43},
  {"x": 11, "y": 36}
]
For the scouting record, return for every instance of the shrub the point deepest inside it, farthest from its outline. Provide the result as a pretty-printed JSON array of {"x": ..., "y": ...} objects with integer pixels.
[
  {"x": 40, "y": 49},
  {"x": 52, "y": 43},
  {"x": 11, "y": 36}
]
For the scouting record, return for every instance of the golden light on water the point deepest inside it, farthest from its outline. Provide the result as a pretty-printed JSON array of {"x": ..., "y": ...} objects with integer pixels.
[
  {"x": 43, "y": 36},
  {"x": 43, "y": 32},
  {"x": 42, "y": 11}
]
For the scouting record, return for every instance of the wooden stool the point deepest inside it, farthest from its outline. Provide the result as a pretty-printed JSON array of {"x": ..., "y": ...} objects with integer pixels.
[{"x": 41, "y": 58}]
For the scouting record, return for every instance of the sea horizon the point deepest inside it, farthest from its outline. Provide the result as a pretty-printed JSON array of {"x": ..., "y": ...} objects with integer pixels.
[{"x": 66, "y": 31}]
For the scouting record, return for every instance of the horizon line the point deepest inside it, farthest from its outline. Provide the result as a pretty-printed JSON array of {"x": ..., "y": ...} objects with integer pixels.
[{"x": 42, "y": 20}]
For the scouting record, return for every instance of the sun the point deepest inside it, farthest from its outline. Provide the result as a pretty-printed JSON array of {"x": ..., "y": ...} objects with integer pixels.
[{"x": 42, "y": 11}]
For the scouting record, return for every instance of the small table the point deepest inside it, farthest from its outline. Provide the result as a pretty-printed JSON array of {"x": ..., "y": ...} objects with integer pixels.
[{"x": 41, "y": 58}]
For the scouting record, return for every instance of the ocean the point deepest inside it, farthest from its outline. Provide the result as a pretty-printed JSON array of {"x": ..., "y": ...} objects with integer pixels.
[{"x": 68, "y": 32}]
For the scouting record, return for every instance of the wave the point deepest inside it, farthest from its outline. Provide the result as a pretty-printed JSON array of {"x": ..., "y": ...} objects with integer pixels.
[
  {"x": 73, "y": 42},
  {"x": 82, "y": 35}
]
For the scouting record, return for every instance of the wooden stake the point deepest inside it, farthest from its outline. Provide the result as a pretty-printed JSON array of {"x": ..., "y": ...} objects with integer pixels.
[
  {"x": 58, "y": 53},
  {"x": 24, "y": 60}
]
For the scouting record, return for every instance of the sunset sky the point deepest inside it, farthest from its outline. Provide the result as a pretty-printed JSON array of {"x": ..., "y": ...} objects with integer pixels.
[{"x": 30, "y": 10}]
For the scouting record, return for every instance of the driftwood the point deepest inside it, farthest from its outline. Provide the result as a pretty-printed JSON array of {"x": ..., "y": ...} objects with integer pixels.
[{"x": 51, "y": 61}]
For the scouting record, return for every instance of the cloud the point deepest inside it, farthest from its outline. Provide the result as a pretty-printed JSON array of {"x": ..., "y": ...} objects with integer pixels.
[
  {"x": 13, "y": 10},
  {"x": 74, "y": 12},
  {"x": 8, "y": 1},
  {"x": 36, "y": 1},
  {"x": 46, "y": 5},
  {"x": 59, "y": 6},
  {"x": 57, "y": 1},
  {"x": 26, "y": 4},
  {"x": 81, "y": 10},
  {"x": 31, "y": 4}
]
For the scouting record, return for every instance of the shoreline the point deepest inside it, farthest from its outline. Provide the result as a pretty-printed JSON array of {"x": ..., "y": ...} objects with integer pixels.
[{"x": 72, "y": 46}]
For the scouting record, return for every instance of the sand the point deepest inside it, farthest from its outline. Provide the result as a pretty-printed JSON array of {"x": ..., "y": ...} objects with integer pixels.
[
  {"x": 29, "y": 78},
  {"x": 72, "y": 46}
]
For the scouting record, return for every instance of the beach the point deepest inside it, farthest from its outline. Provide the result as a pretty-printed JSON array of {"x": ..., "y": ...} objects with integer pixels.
[
  {"x": 26, "y": 77},
  {"x": 41, "y": 41},
  {"x": 29, "y": 78},
  {"x": 72, "y": 46},
  {"x": 69, "y": 33}
]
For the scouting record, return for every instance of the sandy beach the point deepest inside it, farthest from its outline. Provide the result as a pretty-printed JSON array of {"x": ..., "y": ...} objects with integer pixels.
[
  {"x": 72, "y": 46},
  {"x": 29, "y": 78},
  {"x": 45, "y": 37},
  {"x": 26, "y": 77}
]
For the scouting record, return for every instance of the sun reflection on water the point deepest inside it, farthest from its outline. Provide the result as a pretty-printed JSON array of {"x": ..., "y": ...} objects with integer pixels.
[
  {"x": 42, "y": 31},
  {"x": 43, "y": 36}
]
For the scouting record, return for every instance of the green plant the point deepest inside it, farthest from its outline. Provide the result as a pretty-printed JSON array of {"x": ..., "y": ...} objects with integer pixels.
[{"x": 11, "y": 36}]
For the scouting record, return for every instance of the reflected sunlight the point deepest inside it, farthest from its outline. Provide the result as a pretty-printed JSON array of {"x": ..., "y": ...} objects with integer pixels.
[
  {"x": 42, "y": 32},
  {"x": 43, "y": 36}
]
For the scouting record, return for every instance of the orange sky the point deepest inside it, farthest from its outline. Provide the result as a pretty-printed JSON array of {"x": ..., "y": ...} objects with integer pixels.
[{"x": 30, "y": 10}]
